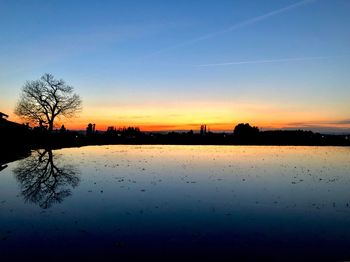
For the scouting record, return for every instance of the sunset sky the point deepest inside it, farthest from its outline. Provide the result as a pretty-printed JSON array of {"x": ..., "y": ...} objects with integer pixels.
[{"x": 173, "y": 65}]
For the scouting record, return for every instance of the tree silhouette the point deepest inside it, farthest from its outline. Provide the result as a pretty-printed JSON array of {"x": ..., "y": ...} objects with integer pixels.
[
  {"x": 42, "y": 181},
  {"x": 44, "y": 100},
  {"x": 245, "y": 131}
]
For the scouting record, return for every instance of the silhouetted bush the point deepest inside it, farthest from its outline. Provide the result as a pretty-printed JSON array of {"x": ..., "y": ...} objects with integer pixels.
[{"x": 246, "y": 132}]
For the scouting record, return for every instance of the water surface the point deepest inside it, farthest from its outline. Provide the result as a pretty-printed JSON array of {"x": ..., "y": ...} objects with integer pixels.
[{"x": 124, "y": 201}]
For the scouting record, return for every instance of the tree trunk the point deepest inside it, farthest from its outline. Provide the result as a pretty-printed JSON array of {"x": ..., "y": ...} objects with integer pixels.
[{"x": 50, "y": 126}]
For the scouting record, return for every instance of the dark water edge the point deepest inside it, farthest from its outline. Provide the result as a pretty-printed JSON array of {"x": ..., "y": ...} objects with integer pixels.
[
  {"x": 145, "y": 248},
  {"x": 229, "y": 250},
  {"x": 13, "y": 154}
]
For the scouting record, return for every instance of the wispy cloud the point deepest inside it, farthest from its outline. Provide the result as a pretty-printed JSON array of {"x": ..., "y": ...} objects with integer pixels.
[
  {"x": 341, "y": 126},
  {"x": 236, "y": 26},
  {"x": 291, "y": 59},
  {"x": 341, "y": 122},
  {"x": 325, "y": 126}
]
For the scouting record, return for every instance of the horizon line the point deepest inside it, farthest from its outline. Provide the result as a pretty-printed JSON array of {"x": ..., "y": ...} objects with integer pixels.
[{"x": 326, "y": 130}]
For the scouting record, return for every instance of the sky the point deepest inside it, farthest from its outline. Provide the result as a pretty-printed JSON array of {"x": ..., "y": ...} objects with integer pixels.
[{"x": 174, "y": 65}]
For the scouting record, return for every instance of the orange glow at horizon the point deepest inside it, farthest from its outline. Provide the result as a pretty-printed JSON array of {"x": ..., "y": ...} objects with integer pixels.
[{"x": 217, "y": 116}]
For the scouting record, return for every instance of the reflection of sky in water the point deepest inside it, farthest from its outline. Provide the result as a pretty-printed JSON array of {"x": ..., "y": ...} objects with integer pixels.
[{"x": 154, "y": 199}]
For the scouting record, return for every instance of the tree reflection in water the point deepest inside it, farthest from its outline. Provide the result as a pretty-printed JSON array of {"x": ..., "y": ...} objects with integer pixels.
[{"x": 45, "y": 179}]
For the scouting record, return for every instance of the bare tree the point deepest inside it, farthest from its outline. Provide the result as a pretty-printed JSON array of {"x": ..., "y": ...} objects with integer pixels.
[{"x": 43, "y": 101}]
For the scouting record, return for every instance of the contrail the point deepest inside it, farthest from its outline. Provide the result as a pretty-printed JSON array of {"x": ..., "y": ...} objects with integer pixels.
[
  {"x": 235, "y": 26},
  {"x": 270, "y": 61}
]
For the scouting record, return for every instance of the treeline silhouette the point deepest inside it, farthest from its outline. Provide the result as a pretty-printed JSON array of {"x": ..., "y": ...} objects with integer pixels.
[{"x": 16, "y": 137}]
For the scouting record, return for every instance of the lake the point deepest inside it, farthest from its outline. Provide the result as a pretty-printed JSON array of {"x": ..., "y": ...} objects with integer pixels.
[{"x": 128, "y": 201}]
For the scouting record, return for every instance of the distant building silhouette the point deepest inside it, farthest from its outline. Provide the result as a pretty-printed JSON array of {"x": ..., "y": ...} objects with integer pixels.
[
  {"x": 6, "y": 124},
  {"x": 3, "y": 116},
  {"x": 63, "y": 129},
  {"x": 111, "y": 130},
  {"x": 90, "y": 129},
  {"x": 12, "y": 134},
  {"x": 203, "y": 130}
]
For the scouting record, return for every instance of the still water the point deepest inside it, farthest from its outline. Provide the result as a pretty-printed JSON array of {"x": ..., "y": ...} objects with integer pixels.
[{"x": 127, "y": 201}]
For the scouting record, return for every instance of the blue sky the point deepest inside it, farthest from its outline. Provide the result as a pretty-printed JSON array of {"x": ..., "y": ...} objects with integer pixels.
[{"x": 153, "y": 63}]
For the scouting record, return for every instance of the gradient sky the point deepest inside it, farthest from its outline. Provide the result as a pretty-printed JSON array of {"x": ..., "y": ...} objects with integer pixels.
[{"x": 173, "y": 65}]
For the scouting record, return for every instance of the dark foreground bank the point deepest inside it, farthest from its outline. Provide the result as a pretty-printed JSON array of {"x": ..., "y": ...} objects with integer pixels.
[{"x": 31, "y": 138}]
